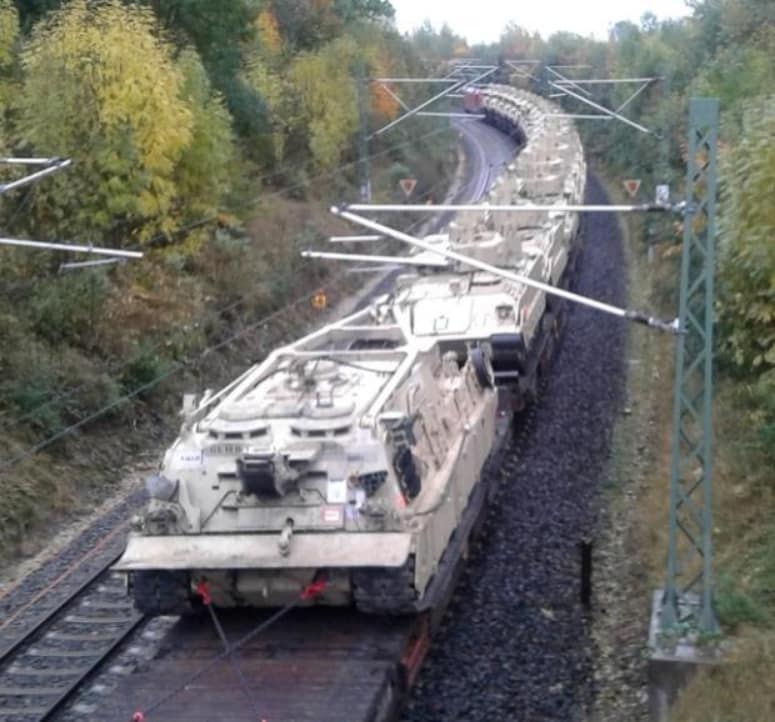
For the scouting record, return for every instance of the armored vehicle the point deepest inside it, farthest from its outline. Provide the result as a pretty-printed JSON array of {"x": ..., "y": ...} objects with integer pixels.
[
  {"x": 356, "y": 452},
  {"x": 463, "y": 308}
]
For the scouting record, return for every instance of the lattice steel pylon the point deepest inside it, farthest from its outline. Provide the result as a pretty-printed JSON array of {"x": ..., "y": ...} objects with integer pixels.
[{"x": 688, "y": 594}]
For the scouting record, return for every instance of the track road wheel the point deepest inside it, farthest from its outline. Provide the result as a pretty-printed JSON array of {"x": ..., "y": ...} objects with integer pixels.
[{"x": 161, "y": 592}]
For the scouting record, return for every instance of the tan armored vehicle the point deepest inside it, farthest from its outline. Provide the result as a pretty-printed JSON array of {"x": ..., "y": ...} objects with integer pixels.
[
  {"x": 463, "y": 308},
  {"x": 357, "y": 451}
]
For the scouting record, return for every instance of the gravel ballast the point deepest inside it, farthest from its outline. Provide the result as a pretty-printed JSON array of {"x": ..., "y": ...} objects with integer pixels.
[{"x": 516, "y": 643}]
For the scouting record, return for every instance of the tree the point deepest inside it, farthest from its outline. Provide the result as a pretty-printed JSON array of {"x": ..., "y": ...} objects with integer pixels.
[
  {"x": 219, "y": 31},
  {"x": 747, "y": 303},
  {"x": 100, "y": 86},
  {"x": 354, "y": 10},
  {"x": 309, "y": 24},
  {"x": 202, "y": 176},
  {"x": 9, "y": 32},
  {"x": 30, "y": 11},
  {"x": 327, "y": 98},
  {"x": 516, "y": 42}
]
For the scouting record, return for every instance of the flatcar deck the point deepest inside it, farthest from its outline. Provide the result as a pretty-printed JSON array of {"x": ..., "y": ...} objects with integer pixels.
[{"x": 316, "y": 665}]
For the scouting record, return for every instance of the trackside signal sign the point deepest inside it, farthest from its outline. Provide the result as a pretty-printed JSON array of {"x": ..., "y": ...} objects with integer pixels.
[
  {"x": 631, "y": 186},
  {"x": 407, "y": 185},
  {"x": 320, "y": 300}
]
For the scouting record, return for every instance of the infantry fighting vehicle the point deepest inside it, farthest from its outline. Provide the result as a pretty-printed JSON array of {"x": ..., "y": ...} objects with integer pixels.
[
  {"x": 362, "y": 451},
  {"x": 356, "y": 451}
]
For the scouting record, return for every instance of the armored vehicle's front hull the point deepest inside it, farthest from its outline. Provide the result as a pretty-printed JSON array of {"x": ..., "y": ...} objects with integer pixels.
[{"x": 247, "y": 569}]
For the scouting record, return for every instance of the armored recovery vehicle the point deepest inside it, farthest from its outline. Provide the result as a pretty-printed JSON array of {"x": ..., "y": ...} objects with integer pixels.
[{"x": 357, "y": 452}]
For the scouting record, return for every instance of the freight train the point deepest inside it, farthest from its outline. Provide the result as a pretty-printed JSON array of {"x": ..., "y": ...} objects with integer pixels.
[{"x": 363, "y": 454}]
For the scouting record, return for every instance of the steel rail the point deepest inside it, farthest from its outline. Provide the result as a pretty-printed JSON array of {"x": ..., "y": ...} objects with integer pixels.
[
  {"x": 47, "y": 700},
  {"x": 57, "y": 704},
  {"x": 40, "y": 622}
]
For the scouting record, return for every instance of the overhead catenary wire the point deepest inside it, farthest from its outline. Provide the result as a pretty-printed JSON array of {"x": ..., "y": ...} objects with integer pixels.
[
  {"x": 636, "y": 316},
  {"x": 296, "y": 186},
  {"x": 176, "y": 367},
  {"x": 215, "y": 217},
  {"x": 112, "y": 370},
  {"x": 209, "y": 219},
  {"x": 173, "y": 369}
]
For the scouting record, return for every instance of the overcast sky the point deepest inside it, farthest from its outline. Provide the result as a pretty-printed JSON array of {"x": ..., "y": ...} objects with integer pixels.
[{"x": 482, "y": 20}]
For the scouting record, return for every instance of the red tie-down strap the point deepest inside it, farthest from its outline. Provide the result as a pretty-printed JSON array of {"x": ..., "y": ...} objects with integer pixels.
[
  {"x": 202, "y": 589},
  {"x": 313, "y": 589},
  {"x": 138, "y": 717}
]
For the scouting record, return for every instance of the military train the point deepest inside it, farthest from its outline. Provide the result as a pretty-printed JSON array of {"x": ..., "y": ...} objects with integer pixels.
[{"x": 365, "y": 451}]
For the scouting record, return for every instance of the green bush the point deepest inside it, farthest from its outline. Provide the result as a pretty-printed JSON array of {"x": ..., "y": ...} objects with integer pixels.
[
  {"x": 146, "y": 366},
  {"x": 32, "y": 399},
  {"x": 67, "y": 308},
  {"x": 735, "y": 607}
]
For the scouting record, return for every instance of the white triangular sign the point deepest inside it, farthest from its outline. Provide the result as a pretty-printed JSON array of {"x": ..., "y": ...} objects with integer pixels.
[
  {"x": 631, "y": 186},
  {"x": 407, "y": 185}
]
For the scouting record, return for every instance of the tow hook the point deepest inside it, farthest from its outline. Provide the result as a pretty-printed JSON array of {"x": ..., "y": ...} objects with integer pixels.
[{"x": 284, "y": 542}]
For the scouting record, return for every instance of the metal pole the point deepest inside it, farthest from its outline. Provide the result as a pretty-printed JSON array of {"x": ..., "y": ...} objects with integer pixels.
[
  {"x": 431, "y": 114},
  {"x": 414, "y": 80},
  {"x": 406, "y": 261},
  {"x": 422, "y": 106},
  {"x": 69, "y": 247},
  {"x": 602, "y": 108},
  {"x": 394, "y": 96},
  {"x": 88, "y": 264},
  {"x": 636, "y": 316},
  {"x": 577, "y": 116},
  {"x": 688, "y": 594},
  {"x": 363, "y": 163},
  {"x": 32, "y": 177},
  {"x": 633, "y": 96},
  {"x": 570, "y": 82},
  {"x": 358, "y": 239},
  {"x": 524, "y": 73},
  {"x": 33, "y": 161},
  {"x": 606, "y": 81},
  {"x": 495, "y": 208}
]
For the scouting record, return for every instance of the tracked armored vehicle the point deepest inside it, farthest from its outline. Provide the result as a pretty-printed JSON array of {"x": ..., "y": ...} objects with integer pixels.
[
  {"x": 356, "y": 452},
  {"x": 462, "y": 308}
]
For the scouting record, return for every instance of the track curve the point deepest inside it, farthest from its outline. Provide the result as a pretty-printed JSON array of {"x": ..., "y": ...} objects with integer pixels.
[{"x": 486, "y": 150}]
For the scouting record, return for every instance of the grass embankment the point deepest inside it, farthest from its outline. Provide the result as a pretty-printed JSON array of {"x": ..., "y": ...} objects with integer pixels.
[
  {"x": 742, "y": 690},
  {"x": 132, "y": 339}
]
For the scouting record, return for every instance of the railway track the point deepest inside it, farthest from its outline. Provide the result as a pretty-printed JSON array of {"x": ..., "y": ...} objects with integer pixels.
[
  {"x": 316, "y": 664},
  {"x": 59, "y": 624},
  {"x": 58, "y": 632},
  {"x": 46, "y": 656}
]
